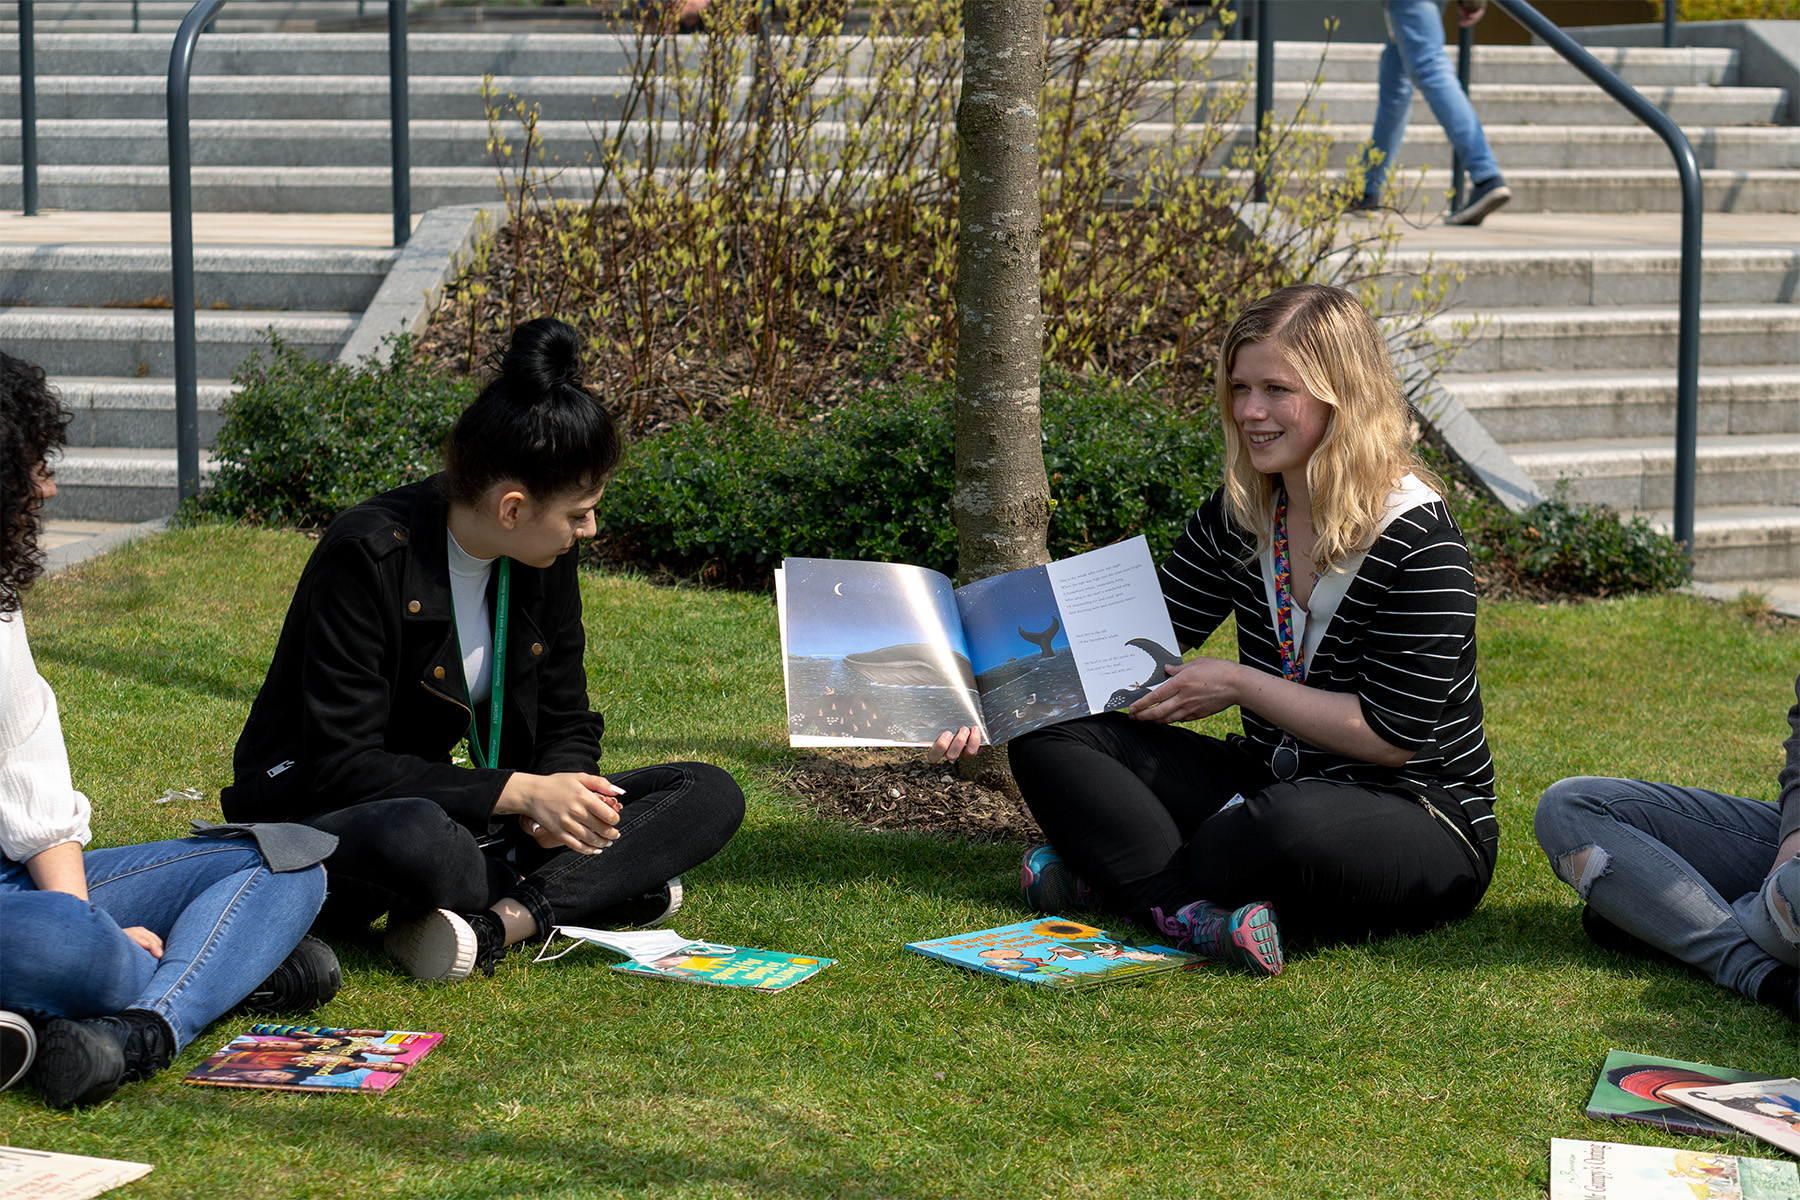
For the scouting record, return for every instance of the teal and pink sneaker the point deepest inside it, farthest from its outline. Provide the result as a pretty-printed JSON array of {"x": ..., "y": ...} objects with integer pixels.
[
  {"x": 1050, "y": 887},
  {"x": 1246, "y": 937}
]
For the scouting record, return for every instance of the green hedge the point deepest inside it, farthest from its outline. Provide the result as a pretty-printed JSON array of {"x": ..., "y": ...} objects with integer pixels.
[
  {"x": 872, "y": 479},
  {"x": 303, "y": 440}
]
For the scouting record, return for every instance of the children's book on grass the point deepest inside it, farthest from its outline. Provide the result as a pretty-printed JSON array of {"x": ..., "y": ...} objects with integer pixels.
[
  {"x": 43, "y": 1175},
  {"x": 1053, "y": 952},
  {"x": 312, "y": 1058},
  {"x": 1769, "y": 1109},
  {"x": 665, "y": 954},
  {"x": 1633, "y": 1087},
  {"x": 1609, "y": 1171},
  {"x": 885, "y": 654}
]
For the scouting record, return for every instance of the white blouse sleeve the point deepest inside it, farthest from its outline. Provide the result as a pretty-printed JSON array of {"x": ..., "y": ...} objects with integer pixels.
[{"x": 39, "y": 806}]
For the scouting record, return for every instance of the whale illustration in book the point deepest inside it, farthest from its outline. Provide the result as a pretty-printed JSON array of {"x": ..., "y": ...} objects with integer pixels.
[
  {"x": 1161, "y": 657},
  {"x": 916, "y": 664},
  {"x": 1042, "y": 640}
]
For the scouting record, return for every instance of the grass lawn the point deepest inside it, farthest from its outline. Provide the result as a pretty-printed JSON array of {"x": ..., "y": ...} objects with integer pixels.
[{"x": 1434, "y": 1066}]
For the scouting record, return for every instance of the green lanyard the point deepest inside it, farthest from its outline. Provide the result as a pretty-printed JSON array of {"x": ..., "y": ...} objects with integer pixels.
[{"x": 489, "y": 756}]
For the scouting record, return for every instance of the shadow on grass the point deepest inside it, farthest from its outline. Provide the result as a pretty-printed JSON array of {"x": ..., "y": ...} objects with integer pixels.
[
  {"x": 501, "y": 1159},
  {"x": 161, "y": 668}
]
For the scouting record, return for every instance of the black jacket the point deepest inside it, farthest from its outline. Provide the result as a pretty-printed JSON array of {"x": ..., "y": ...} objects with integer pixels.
[{"x": 365, "y": 697}]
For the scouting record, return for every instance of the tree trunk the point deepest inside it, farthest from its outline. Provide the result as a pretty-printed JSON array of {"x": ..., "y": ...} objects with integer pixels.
[{"x": 1001, "y": 500}]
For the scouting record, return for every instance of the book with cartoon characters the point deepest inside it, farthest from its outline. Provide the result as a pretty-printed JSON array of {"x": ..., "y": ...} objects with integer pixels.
[
  {"x": 1053, "y": 952},
  {"x": 313, "y": 1058},
  {"x": 1609, "y": 1171},
  {"x": 1769, "y": 1109},
  {"x": 665, "y": 954},
  {"x": 886, "y": 654},
  {"x": 1634, "y": 1087}
]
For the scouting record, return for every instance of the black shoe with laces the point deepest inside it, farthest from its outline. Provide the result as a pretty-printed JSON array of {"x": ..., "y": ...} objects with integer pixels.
[
  {"x": 1484, "y": 199},
  {"x": 78, "y": 1063},
  {"x": 652, "y": 910},
  {"x": 308, "y": 977}
]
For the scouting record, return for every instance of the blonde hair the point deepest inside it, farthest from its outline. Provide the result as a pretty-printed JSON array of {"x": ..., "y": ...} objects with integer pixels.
[{"x": 1330, "y": 339}]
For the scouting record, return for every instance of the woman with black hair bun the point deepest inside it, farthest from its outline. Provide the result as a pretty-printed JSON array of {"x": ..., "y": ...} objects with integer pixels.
[{"x": 446, "y": 611}]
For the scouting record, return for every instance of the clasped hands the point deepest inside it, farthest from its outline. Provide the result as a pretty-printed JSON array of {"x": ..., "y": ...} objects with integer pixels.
[{"x": 570, "y": 809}]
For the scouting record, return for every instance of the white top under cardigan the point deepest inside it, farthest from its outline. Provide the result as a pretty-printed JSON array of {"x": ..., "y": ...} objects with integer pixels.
[
  {"x": 474, "y": 628},
  {"x": 39, "y": 806}
]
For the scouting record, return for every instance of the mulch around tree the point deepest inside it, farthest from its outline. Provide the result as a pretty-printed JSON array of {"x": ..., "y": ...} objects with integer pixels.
[{"x": 896, "y": 790}]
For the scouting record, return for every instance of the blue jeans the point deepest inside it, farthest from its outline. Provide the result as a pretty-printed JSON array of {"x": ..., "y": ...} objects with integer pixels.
[
  {"x": 225, "y": 919},
  {"x": 1415, "y": 55},
  {"x": 1682, "y": 869}
]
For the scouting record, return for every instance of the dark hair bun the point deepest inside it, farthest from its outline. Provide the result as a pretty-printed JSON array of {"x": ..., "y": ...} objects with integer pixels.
[{"x": 544, "y": 357}]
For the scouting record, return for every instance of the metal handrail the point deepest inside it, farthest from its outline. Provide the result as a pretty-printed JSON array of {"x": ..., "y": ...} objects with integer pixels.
[
  {"x": 1687, "y": 356},
  {"x": 28, "y": 154},
  {"x": 1465, "y": 54},
  {"x": 1265, "y": 92},
  {"x": 181, "y": 213},
  {"x": 1668, "y": 24}
]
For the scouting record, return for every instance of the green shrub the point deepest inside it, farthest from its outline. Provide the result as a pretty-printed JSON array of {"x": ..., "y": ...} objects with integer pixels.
[
  {"x": 1734, "y": 10},
  {"x": 872, "y": 480},
  {"x": 1577, "y": 549},
  {"x": 303, "y": 440}
]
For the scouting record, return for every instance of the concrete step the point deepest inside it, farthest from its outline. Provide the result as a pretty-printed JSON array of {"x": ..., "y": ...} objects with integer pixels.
[
  {"x": 1624, "y": 338},
  {"x": 1538, "y": 406},
  {"x": 579, "y": 97},
  {"x": 329, "y": 278},
  {"x": 573, "y": 54},
  {"x": 91, "y": 16},
  {"x": 1748, "y": 542},
  {"x": 367, "y": 189},
  {"x": 116, "y": 485},
  {"x": 1515, "y": 278},
  {"x": 1638, "y": 474},
  {"x": 137, "y": 343},
  {"x": 135, "y": 413},
  {"x": 352, "y": 143}
]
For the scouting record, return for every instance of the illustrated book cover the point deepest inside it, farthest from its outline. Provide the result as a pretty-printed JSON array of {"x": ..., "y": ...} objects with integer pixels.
[
  {"x": 43, "y": 1175},
  {"x": 311, "y": 1058},
  {"x": 1769, "y": 1109},
  {"x": 1609, "y": 1171},
  {"x": 665, "y": 954},
  {"x": 1053, "y": 952},
  {"x": 885, "y": 654},
  {"x": 1632, "y": 1088}
]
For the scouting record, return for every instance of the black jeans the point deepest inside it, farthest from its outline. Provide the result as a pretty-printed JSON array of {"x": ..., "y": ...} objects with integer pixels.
[
  {"x": 1138, "y": 811},
  {"x": 406, "y": 855}
]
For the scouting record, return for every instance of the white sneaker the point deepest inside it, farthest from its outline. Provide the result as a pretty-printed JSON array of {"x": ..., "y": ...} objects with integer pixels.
[
  {"x": 439, "y": 945},
  {"x": 18, "y": 1048}
]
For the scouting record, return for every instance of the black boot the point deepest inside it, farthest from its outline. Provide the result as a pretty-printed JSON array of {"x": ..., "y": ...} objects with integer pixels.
[
  {"x": 78, "y": 1063},
  {"x": 308, "y": 977}
]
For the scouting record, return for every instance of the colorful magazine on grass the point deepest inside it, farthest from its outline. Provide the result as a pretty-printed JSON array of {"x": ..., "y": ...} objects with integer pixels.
[
  {"x": 1609, "y": 1171},
  {"x": 1769, "y": 1109},
  {"x": 312, "y": 1058},
  {"x": 665, "y": 954},
  {"x": 1632, "y": 1087},
  {"x": 43, "y": 1175},
  {"x": 885, "y": 654},
  {"x": 1053, "y": 952}
]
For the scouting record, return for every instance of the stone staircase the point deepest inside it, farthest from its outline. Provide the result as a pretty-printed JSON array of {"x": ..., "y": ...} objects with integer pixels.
[
  {"x": 165, "y": 16},
  {"x": 97, "y": 319},
  {"x": 1572, "y": 371}
]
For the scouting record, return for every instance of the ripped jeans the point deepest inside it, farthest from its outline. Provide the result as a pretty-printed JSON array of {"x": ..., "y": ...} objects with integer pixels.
[{"x": 1683, "y": 869}]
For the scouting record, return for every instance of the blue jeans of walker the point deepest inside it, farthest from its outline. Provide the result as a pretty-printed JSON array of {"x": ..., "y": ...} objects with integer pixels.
[
  {"x": 225, "y": 919},
  {"x": 1683, "y": 869},
  {"x": 1415, "y": 55}
]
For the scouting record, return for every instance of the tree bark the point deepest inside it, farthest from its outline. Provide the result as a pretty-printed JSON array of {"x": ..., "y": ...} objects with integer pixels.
[{"x": 1001, "y": 500}]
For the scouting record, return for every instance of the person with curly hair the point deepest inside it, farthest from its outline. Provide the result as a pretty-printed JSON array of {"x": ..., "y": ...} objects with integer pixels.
[{"x": 113, "y": 960}]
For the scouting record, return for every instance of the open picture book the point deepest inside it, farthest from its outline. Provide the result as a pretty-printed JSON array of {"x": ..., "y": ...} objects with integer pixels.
[
  {"x": 665, "y": 954},
  {"x": 885, "y": 654}
]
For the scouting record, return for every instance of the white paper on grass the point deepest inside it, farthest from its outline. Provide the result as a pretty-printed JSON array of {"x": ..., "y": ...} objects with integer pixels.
[{"x": 639, "y": 945}]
